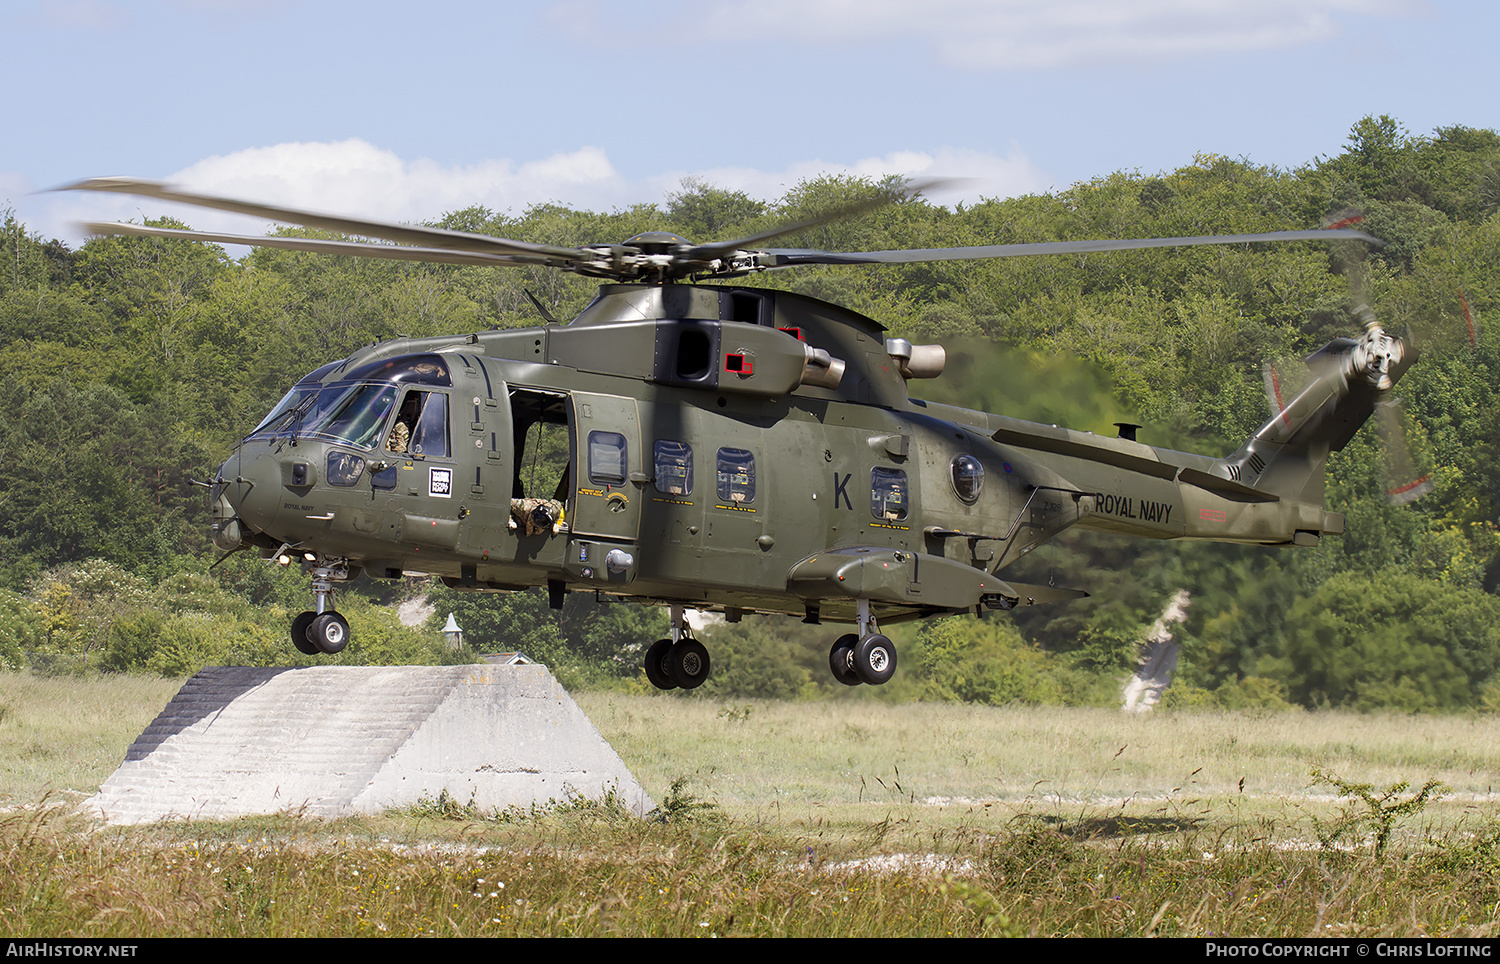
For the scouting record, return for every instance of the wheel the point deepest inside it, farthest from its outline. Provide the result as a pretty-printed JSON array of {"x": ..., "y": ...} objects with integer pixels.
[
  {"x": 300, "y": 639},
  {"x": 657, "y": 668},
  {"x": 688, "y": 662},
  {"x": 329, "y": 633},
  {"x": 841, "y": 660},
  {"x": 875, "y": 659}
]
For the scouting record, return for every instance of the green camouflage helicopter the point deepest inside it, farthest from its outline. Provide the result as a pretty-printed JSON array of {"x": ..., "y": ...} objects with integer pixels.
[{"x": 722, "y": 448}]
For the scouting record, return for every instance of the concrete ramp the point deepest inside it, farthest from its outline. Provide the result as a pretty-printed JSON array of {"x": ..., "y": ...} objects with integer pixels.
[{"x": 332, "y": 740}]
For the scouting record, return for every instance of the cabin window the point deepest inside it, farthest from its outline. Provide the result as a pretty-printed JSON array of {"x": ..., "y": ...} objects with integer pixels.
[
  {"x": 888, "y": 494},
  {"x": 968, "y": 478},
  {"x": 736, "y": 476},
  {"x": 674, "y": 467},
  {"x": 607, "y": 458}
]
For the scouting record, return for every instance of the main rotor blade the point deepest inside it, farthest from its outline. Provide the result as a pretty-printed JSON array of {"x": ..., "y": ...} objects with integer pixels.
[
  {"x": 389, "y": 251},
  {"x": 840, "y": 212},
  {"x": 790, "y": 257},
  {"x": 624, "y": 263},
  {"x": 403, "y": 233}
]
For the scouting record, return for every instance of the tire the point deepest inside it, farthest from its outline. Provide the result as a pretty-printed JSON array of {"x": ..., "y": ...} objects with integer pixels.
[
  {"x": 688, "y": 661},
  {"x": 329, "y": 633},
  {"x": 875, "y": 659},
  {"x": 300, "y": 639},
  {"x": 658, "y": 671},
  {"x": 841, "y": 660}
]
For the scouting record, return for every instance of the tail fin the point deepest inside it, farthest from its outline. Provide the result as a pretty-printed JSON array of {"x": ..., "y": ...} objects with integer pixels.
[{"x": 1352, "y": 376}]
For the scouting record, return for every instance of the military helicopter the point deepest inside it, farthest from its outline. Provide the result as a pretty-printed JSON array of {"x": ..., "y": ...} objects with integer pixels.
[{"x": 728, "y": 449}]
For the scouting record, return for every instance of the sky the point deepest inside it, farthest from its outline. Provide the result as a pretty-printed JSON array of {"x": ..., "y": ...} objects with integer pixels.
[{"x": 402, "y": 112}]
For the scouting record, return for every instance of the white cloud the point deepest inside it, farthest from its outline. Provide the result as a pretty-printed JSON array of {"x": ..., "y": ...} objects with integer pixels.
[
  {"x": 12, "y": 188},
  {"x": 356, "y": 178},
  {"x": 351, "y": 177},
  {"x": 987, "y": 35}
]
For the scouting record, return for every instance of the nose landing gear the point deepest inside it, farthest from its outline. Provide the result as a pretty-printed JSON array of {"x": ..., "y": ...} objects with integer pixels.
[
  {"x": 681, "y": 661},
  {"x": 323, "y": 632}
]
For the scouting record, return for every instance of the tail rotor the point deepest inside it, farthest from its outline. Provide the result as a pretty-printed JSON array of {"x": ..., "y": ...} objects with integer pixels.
[{"x": 1371, "y": 362}]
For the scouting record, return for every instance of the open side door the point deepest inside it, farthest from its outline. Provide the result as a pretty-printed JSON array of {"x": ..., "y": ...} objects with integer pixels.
[{"x": 608, "y": 488}]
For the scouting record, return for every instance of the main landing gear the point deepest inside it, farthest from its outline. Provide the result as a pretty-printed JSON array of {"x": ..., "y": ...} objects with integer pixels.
[
  {"x": 681, "y": 661},
  {"x": 323, "y": 632},
  {"x": 863, "y": 657}
]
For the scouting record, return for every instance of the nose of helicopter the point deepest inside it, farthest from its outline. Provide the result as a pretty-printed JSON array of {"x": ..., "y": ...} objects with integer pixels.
[{"x": 244, "y": 500}]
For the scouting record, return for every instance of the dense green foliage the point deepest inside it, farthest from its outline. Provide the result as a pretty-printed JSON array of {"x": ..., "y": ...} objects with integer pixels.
[{"x": 128, "y": 366}]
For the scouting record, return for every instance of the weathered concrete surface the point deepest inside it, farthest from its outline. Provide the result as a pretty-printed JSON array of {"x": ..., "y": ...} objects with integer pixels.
[
  {"x": 1158, "y": 657},
  {"x": 333, "y": 740}
]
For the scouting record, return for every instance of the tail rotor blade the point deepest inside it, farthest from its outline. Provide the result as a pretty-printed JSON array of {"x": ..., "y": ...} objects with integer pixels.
[
  {"x": 1471, "y": 321},
  {"x": 1405, "y": 483},
  {"x": 1278, "y": 393}
]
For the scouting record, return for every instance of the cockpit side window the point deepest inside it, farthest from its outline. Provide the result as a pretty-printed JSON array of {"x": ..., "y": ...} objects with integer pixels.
[
  {"x": 431, "y": 436},
  {"x": 421, "y": 426}
]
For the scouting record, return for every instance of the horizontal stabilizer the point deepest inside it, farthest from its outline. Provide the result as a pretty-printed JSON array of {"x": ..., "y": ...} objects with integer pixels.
[
  {"x": 1227, "y": 488},
  {"x": 1029, "y": 595}
]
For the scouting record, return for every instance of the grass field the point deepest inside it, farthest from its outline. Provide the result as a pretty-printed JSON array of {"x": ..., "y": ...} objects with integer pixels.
[{"x": 837, "y": 818}]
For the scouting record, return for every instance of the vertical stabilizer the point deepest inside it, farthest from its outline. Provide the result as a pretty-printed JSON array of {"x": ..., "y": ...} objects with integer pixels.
[{"x": 1286, "y": 456}]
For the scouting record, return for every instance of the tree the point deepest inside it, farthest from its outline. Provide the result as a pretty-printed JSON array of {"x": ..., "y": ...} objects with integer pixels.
[
  {"x": 706, "y": 213},
  {"x": 1391, "y": 641}
]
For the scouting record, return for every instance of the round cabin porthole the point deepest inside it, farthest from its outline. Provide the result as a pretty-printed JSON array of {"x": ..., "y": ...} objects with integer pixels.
[{"x": 968, "y": 478}]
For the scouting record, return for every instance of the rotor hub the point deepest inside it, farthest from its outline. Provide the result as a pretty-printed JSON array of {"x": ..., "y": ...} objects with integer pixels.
[{"x": 1375, "y": 355}]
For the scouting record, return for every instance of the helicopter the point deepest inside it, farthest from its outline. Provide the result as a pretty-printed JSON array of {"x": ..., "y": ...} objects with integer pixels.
[{"x": 724, "y": 448}]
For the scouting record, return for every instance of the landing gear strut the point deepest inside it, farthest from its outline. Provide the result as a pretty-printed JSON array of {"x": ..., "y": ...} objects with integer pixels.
[
  {"x": 680, "y": 661},
  {"x": 323, "y": 632},
  {"x": 863, "y": 657}
]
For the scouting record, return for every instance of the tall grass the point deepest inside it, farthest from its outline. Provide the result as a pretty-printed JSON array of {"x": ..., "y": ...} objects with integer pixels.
[
  {"x": 813, "y": 820},
  {"x": 67, "y": 735},
  {"x": 754, "y": 754},
  {"x": 599, "y": 874}
]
